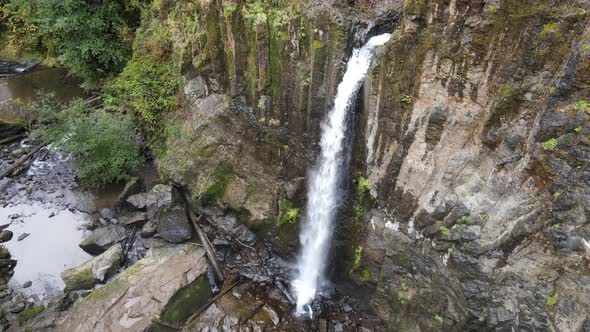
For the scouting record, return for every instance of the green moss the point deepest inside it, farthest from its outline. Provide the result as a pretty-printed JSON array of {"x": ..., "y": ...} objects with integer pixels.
[
  {"x": 550, "y": 29},
  {"x": 582, "y": 106},
  {"x": 317, "y": 44},
  {"x": 186, "y": 301},
  {"x": 109, "y": 288},
  {"x": 29, "y": 313},
  {"x": 218, "y": 184},
  {"x": 491, "y": 9},
  {"x": 358, "y": 255}
]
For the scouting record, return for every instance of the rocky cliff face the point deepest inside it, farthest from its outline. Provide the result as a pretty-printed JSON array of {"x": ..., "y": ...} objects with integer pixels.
[{"x": 472, "y": 131}]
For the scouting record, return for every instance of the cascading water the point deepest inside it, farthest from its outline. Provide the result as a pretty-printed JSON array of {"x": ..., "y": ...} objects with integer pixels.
[{"x": 323, "y": 185}]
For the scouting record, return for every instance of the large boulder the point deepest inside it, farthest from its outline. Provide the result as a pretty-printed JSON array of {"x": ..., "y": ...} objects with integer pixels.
[
  {"x": 165, "y": 211},
  {"x": 135, "y": 297},
  {"x": 173, "y": 225},
  {"x": 95, "y": 271},
  {"x": 103, "y": 238}
]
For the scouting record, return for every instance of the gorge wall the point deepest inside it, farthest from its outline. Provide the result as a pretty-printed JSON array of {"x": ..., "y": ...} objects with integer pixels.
[{"x": 472, "y": 131}]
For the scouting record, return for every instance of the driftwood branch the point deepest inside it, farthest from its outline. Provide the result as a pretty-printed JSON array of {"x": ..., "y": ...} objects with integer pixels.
[
  {"x": 209, "y": 249},
  {"x": 21, "y": 162}
]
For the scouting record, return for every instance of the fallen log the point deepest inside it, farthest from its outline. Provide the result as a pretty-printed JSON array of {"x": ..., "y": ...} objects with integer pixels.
[
  {"x": 209, "y": 249},
  {"x": 21, "y": 162}
]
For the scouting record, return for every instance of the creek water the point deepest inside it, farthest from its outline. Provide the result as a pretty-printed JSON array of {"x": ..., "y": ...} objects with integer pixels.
[
  {"x": 325, "y": 180},
  {"x": 45, "y": 202}
]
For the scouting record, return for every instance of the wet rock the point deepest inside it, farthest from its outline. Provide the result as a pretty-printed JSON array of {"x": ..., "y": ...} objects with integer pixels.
[
  {"x": 103, "y": 238},
  {"x": 132, "y": 187},
  {"x": 173, "y": 225},
  {"x": 4, "y": 226},
  {"x": 471, "y": 232},
  {"x": 5, "y": 236},
  {"x": 27, "y": 284},
  {"x": 136, "y": 296},
  {"x": 195, "y": 89},
  {"x": 16, "y": 307},
  {"x": 107, "y": 214},
  {"x": 133, "y": 217},
  {"x": 95, "y": 271},
  {"x": 22, "y": 236},
  {"x": 229, "y": 224},
  {"x": 148, "y": 230}
]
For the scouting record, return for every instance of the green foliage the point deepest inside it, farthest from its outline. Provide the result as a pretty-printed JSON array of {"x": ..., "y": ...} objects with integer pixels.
[
  {"x": 363, "y": 185},
  {"x": 438, "y": 319},
  {"x": 505, "y": 91},
  {"x": 104, "y": 145},
  {"x": 444, "y": 231},
  {"x": 491, "y": 9},
  {"x": 358, "y": 254},
  {"x": 549, "y": 145},
  {"x": 582, "y": 106},
  {"x": 287, "y": 213},
  {"x": 366, "y": 275},
  {"x": 90, "y": 37},
  {"x": 552, "y": 299},
  {"x": 406, "y": 99},
  {"x": 21, "y": 31},
  {"x": 147, "y": 86}
]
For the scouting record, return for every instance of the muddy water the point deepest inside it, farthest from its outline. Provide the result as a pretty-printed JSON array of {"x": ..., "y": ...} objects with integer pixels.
[{"x": 24, "y": 87}]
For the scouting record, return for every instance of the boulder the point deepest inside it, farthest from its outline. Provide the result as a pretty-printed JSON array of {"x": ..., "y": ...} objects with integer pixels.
[
  {"x": 471, "y": 233},
  {"x": 148, "y": 229},
  {"x": 133, "y": 217},
  {"x": 173, "y": 225},
  {"x": 107, "y": 213},
  {"x": 95, "y": 271},
  {"x": 229, "y": 224},
  {"x": 103, "y": 238},
  {"x": 135, "y": 297},
  {"x": 5, "y": 236},
  {"x": 22, "y": 236}
]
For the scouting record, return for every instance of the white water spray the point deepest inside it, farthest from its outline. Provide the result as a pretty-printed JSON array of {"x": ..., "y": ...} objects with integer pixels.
[{"x": 323, "y": 190}]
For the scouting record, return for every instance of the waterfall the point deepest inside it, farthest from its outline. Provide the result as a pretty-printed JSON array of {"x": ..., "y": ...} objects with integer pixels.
[{"x": 323, "y": 190}]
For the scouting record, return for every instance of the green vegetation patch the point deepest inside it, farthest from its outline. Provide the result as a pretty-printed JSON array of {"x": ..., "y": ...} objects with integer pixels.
[
  {"x": 549, "y": 145},
  {"x": 287, "y": 213},
  {"x": 147, "y": 86},
  {"x": 104, "y": 145}
]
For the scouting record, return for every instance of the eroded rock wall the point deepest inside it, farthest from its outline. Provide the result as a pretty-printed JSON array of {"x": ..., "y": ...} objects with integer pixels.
[
  {"x": 472, "y": 134},
  {"x": 475, "y": 146}
]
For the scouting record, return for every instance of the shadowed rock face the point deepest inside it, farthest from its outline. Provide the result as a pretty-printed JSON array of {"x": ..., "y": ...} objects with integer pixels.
[{"x": 471, "y": 131}]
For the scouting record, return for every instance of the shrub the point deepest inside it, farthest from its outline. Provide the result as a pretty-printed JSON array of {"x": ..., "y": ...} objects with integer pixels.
[
  {"x": 147, "y": 86},
  {"x": 287, "y": 213},
  {"x": 104, "y": 146},
  {"x": 549, "y": 145}
]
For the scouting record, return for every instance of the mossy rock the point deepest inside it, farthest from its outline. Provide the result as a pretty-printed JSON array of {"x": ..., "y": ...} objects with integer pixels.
[{"x": 187, "y": 301}]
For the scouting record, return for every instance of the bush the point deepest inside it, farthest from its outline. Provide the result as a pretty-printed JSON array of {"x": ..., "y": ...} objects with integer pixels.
[
  {"x": 147, "y": 86},
  {"x": 104, "y": 145}
]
